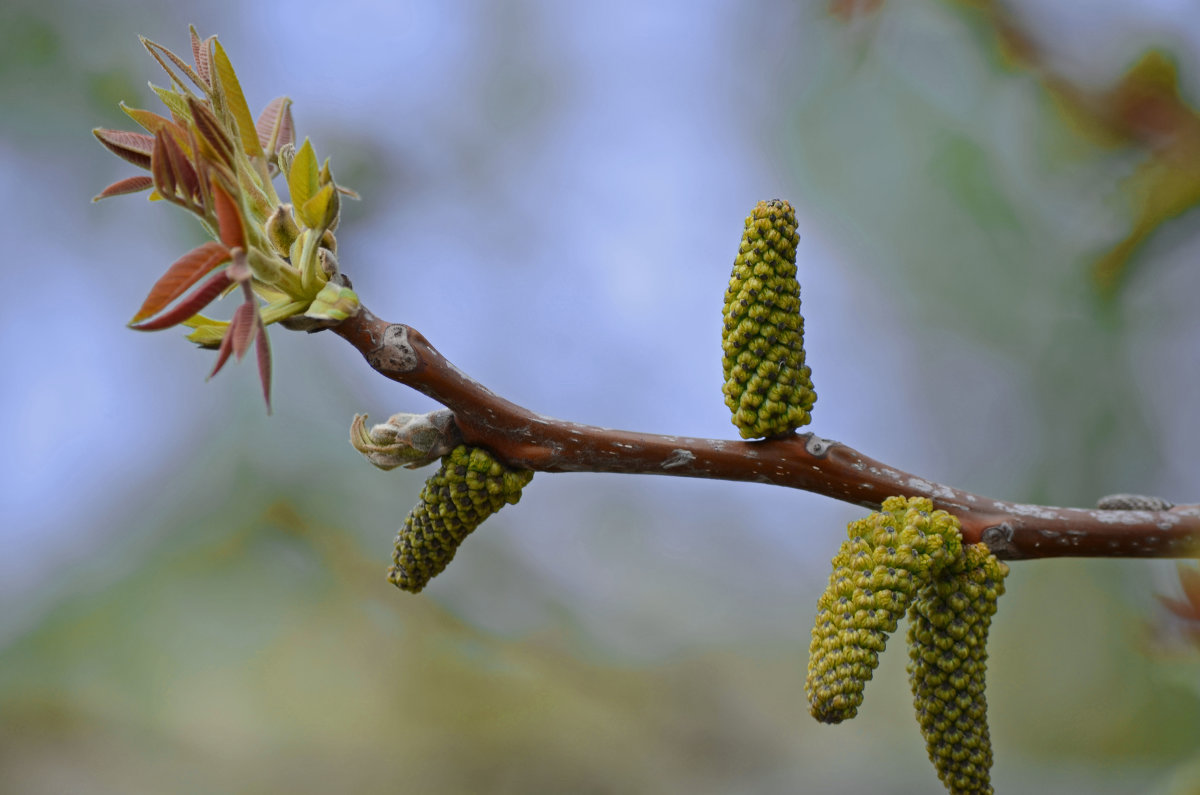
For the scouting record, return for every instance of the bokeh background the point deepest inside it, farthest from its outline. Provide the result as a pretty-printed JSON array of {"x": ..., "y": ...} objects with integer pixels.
[{"x": 998, "y": 261}]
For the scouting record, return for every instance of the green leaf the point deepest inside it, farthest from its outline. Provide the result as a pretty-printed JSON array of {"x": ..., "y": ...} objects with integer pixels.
[
  {"x": 235, "y": 101},
  {"x": 174, "y": 102},
  {"x": 302, "y": 178},
  {"x": 315, "y": 213}
]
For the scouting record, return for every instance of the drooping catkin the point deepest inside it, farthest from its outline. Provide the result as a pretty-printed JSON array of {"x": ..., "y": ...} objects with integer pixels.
[
  {"x": 470, "y": 486},
  {"x": 768, "y": 387},
  {"x": 877, "y": 571},
  {"x": 947, "y": 646}
]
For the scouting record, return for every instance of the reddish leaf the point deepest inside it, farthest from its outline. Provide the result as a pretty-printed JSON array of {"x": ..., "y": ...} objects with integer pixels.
[
  {"x": 201, "y": 297},
  {"x": 184, "y": 173},
  {"x": 229, "y": 217},
  {"x": 123, "y": 186},
  {"x": 238, "y": 335},
  {"x": 223, "y": 352},
  {"x": 211, "y": 131},
  {"x": 160, "y": 168},
  {"x": 134, "y": 147},
  {"x": 262, "y": 349},
  {"x": 274, "y": 125},
  {"x": 179, "y": 278},
  {"x": 200, "y": 56},
  {"x": 159, "y": 52}
]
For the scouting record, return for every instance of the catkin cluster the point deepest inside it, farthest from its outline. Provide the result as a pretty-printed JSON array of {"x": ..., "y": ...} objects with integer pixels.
[
  {"x": 469, "y": 487},
  {"x": 947, "y": 637},
  {"x": 768, "y": 388},
  {"x": 877, "y": 572}
]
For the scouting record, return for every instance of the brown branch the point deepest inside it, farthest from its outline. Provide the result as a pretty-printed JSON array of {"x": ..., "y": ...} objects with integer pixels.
[{"x": 522, "y": 438}]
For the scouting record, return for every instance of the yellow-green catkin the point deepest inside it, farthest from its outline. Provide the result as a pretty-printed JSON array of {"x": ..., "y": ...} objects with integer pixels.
[
  {"x": 768, "y": 387},
  {"x": 877, "y": 571},
  {"x": 947, "y": 647},
  {"x": 469, "y": 487}
]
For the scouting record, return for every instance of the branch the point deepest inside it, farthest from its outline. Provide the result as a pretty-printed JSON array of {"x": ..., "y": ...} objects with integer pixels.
[{"x": 524, "y": 439}]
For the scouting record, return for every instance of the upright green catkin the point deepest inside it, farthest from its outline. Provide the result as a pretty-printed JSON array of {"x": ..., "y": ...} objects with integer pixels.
[
  {"x": 877, "y": 571},
  {"x": 947, "y": 648},
  {"x": 469, "y": 487},
  {"x": 768, "y": 387}
]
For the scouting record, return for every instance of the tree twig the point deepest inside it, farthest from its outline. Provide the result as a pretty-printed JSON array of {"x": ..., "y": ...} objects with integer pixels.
[{"x": 528, "y": 440}]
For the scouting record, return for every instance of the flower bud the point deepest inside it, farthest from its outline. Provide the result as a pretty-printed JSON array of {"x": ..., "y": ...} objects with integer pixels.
[
  {"x": 408, "y": 440},
  {"x": 282, "y": 229}
]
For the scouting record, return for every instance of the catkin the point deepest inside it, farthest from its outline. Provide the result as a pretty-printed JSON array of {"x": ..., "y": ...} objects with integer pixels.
[
  {"x": 947, "y": 646},
  {"x": 877, "y": 571},
  {"x": 469, "y": 487},
  {"x": 768, "y": 387}
]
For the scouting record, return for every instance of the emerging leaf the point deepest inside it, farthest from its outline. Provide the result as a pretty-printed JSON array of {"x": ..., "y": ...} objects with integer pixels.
[
  {"x": 229, "y": 217},
  {"x": 174, "y": 101},
  {"x": 147, "y": 119},
  {"x": 179, "y": 278},
  {"x": 160, "y": 168},
  {"x": 320, "y": 210},
  {"x": 123, "y": 186},
  {"x": 262, "y": 349},
  {"x": 236, "y": 101},
  {"x": 274, "y": 125},
  {"x": 303, "y": 176},
  {"x": 211, "y": 132},
  {"x": 200, "y": 55},
  {"x": 133, "y": 147},
  {"x": 162, "y": 55},
  {"x": 201, "y": 297},
  {"x": 185, "y": 174}
]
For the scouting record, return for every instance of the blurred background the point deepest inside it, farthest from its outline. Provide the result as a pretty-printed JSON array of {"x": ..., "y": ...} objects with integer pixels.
[{"x": 998, "y": 266}]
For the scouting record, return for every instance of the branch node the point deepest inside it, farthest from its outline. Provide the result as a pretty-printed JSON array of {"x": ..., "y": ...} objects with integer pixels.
[{"x": 395, "y": 353}]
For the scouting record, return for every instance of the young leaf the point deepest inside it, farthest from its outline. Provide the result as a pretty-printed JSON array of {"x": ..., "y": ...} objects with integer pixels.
[
  {"x": 319, "y": 211},
  {"x": 185, "y": 174},
  {"x": 160, "y": 52},
  {"x": 160, "y": 168},
  {"x": 242, "y": 327},
  {"x": 201, "y": 297},
  {"x": 208, "y": 332},
  {"x": 236, "y": 101},
  {"x": 123, "y": 186},
  {"x": 229, "y": 217},
  {"x": 174, "y": 102},
  {"x": 274, "y": 125},
  {"x": 262, "y": 348},
  {"x": 200, "y": 55},
  {"x": 179, "y": 278},
  {"x": 133, "y": 147},
  {"x": 211, "y": 131},
  {"x": 302, "y": 178},
  {"x": 147, "y": 119}
]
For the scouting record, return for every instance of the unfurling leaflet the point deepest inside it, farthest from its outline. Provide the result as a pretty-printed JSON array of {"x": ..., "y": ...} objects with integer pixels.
[
  {"x": 878, "y": 570},
  {"x": 768, "y": 388},
  {"x": 470, "y": 486},
  {"x": 947, "y": 649}
]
